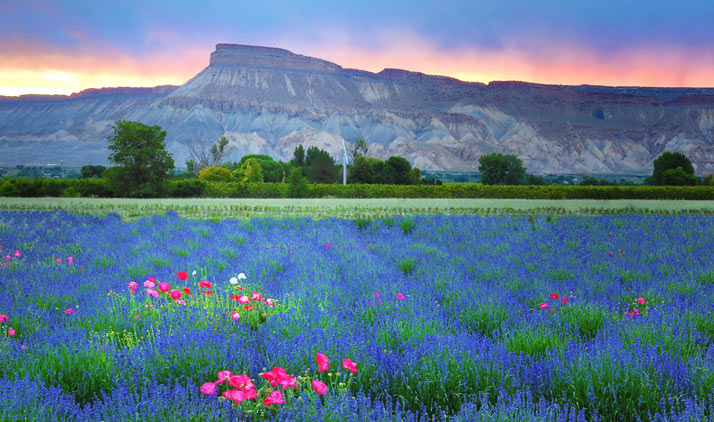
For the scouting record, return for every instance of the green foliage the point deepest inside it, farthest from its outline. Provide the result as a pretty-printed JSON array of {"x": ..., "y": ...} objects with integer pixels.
[
  {"x": 187, "y": 188},
  {"x": 677, "y": 177},
  {"x": 534, "y": 180},
  {"x": 215, "y": 174},
  {"x": 407, "y": 266},
  {"x": 670, "y": 161},
  {"x": 92, "y": 171},
  {"x": 407, "y": 225},
  {"x": 361, "y": 171},
  {"x": 359, "y": 149},
  {"x": 499, "y": 169},
  {"x": 252, "y": 171},
  {"x": 142, "y": 160},
  {"x": 396, "y": 171},
  {"x": 297, "y": 184},
  {"x": 7, "y": 188},
  {"x": 320, "y": 166},
  {"x": 298, "y": 156}
]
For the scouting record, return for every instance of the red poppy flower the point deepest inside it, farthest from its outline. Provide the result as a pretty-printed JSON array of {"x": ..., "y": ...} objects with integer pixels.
[
  {"x": 554, "y": 296},
  {"x": 187, "y": 290}
]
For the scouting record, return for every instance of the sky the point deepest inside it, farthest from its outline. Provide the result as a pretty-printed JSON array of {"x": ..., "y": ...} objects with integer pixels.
[{"x": 61, "y": 47}]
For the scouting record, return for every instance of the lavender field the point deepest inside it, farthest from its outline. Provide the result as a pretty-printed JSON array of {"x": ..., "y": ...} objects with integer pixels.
[{"x": 507, "y": 318}]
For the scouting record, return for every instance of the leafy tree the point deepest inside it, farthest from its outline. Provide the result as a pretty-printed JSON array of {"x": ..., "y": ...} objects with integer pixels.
[
  {"x": 298, "y": 156},
  {"x": 361, "y": 171},
  {"x": 670, "y": 161},
  {"x": 320, "y": 166},
  {"x": 396, "y": 171},
  {"x": 215, "y": 174},
  {"x": 272, "y": 170},
  {"x": 534, "y": 180},
  {"x": 677, "y": 177},
  {"x": 298, "y": 184},
  {"x": 499, "y": 169},
  {"x": 252, "y": 171},
  {"x": 92, "y": 171},
  {"x": 139, "y": 151},
  {"x": 359, "y": 149}
]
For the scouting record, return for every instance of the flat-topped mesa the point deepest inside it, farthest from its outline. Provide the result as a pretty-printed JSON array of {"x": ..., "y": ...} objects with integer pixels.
[{"x": 254, "y": 57}]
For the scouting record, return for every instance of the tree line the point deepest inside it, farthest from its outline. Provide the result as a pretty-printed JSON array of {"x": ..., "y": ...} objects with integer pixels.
[{"x": 142, "y": 164}]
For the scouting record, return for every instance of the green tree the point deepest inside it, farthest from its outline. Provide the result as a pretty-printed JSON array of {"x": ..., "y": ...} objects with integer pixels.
[
  {"x": 252, "y": 171},
  {"x": 499, "y": 169},
  {"x": 92, "y": 171},
  {"x": 670, "y": 161},
  {"x": 298, "y": 184},
  {"x": 298, "y": 156},
  {"x": 361, "y": 171},
  {"x": 677, "y": 177},
  {"x": 320, "y": 166},
  {"x": 359, "y": 149},
  {"x": 215, "y": 174},
  {"x": 396, "y": 171},
  {"x": 534, "y": 180},
  {"x": 139, "y": 151},
  {"x": 272, "y": 170}
]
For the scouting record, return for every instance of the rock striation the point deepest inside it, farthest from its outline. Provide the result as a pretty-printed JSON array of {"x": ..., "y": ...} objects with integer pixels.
[{"x": 269, "y": 100}]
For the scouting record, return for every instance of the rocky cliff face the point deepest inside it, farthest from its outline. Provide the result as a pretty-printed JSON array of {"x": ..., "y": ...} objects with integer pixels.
[{"x": 269, "y": 100}]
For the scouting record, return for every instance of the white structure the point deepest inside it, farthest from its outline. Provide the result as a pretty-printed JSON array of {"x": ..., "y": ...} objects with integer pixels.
[{"x": 345, "y": 160}]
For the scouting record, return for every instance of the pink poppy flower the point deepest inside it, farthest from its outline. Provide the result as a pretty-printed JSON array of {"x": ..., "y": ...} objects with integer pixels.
[
  {"x": 69, "y": 311},
  {"x": 243, "y": 299},
  {"x": 240, "y": 381},
  {"x": 3, "y": 318},
  {"x": 3, "y": 264},
  {"x": 208, "y": 388},
  {"x": 400, "y": 296},
  {"x": 70, "y": 260},
  {"x": 276, "y": 397},
  {"x": 149, "y": 284},
  {"x": 8, "y": 257},
  {"x": 164, "y": 287},
  {"x": 269, "y": 302},
  {"x": 223, "y": 375},
  {"x": 322, "y": 362},
  {"x": 256, "y": 297},
  {"x": 175, "y": 294},
  {"x": 182, "y": 275},
  {"x": 10, "y": 332},
  {"x": 58, "y": 260},
  {"x": 319, "y": 386},
  {"x": 205, "y": 283},
  {"x": 152, "y": 292},
  {"x": 181, "y": 302},
  {"x": 235, "y": 316},
  {"x": 543, "y": 305},
  {"x": 17, "y": 254},
  {"x": 151, "y": 279},
  {"x": 641, "y": 300},
  {"x": 133, "y": 285},
  {"x": 376, "y": 294},
  {"x": 349, "y": 365},
  {"x": 235, "y": 395},
  {"x": 278, "y": 376}
]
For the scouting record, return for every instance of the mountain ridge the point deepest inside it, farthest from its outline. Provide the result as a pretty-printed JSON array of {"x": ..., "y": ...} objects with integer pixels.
[{"x": 269, "y": 100}]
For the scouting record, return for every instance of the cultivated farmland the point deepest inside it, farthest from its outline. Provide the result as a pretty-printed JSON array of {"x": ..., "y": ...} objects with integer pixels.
[{"x": 510, "y": 317}]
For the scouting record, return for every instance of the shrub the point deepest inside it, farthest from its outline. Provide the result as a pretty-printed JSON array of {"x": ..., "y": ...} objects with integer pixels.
[{"x": 215, "y": 174}]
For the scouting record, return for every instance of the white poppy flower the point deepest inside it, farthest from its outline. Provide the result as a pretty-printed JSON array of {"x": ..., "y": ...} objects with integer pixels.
[
  {"x": 241, "y": 276},
  {"x": 233, "y": 280}
]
